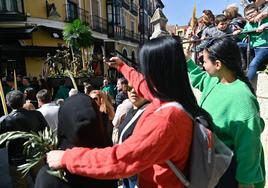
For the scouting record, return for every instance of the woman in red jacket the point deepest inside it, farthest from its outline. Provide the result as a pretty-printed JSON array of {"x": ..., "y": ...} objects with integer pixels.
[{"x": 160, "y": 134}]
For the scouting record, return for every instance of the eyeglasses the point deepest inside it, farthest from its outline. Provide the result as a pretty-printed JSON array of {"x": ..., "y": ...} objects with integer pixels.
[{"x": 129, "y": 88}]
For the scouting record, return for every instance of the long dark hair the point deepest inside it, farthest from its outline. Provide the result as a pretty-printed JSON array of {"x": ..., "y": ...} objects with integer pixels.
[
  {"x": 164, "y": 67},
  {"x": 227, "y": 51}
]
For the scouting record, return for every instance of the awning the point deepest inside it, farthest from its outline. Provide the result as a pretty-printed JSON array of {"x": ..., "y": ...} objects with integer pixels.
[
  {"x": 55, "y": 33},
  {"x": 16, "y": 33},
  {"x": 27, "y": 51}
]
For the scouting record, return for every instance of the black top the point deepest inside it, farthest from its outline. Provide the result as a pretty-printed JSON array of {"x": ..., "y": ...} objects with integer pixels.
[
  {"x": 130, "y": 114},
  {"x": 21, "y": 120},
  {"x": 120, "y": 97}
]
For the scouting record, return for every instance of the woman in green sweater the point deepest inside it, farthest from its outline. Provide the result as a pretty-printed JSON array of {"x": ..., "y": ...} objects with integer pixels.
[{"x": 228, "y": 96}]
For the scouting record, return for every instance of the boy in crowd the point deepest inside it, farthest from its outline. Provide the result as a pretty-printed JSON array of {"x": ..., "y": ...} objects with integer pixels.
[
  {"x": 221, "y": 28},
  {"x": 262, "y": 5},
  {"x": 258, "y": 38}
]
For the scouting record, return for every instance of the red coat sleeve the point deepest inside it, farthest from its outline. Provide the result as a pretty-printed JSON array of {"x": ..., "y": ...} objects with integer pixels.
[{"x": 150, "y": 144}]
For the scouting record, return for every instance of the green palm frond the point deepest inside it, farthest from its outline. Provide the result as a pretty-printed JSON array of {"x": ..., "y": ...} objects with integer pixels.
[
  {"x": 77, "y": 34},
  {"x": 35, "y": 148},
  {"x": 30, "y": 163},
  {"x": 58, "y": 173}
]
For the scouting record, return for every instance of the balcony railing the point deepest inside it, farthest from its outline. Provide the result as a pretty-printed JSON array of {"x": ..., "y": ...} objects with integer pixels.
[
  {"x": 134, "y": 9},
  {"x": 13, "y": 10},
  {"x": 125, "y": 34},
  {"x": 126, "y": 4},
  {"x": 96, "y": 23}
]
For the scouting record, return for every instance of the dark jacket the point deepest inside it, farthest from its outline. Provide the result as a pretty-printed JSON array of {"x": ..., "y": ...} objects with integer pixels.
[
  {"x": 120, "y": 97},
  {"x": 80, "y": 125},
  {"x": 21, "y": 120},
  {"x": 212, "y": 32}
]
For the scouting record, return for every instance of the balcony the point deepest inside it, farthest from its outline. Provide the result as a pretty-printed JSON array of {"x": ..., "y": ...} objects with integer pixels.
[
  {"x": 12, "y": 10},
  {"x": 95, "y": 23},
  {"x": 121, "y": 33},
  {"x": 98, "y": 24},
  {"x": 126, "y": 4},
  {"x": 134, "y": 9}
]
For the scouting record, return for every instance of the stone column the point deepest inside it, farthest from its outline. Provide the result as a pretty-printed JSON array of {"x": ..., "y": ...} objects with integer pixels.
[
  {"x": 262, "y": 96},
  {"x": 159, "y": 22}
]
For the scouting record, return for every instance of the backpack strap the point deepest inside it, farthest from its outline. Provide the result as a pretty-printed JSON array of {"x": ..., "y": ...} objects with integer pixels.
[
  {"x": 174, "y": 104},
  {"x": 171, "y": 165},
  {"x": 136, "y": 116},
  {"x": 178, "y": 173},
  {"x": 168, "y": 104}
]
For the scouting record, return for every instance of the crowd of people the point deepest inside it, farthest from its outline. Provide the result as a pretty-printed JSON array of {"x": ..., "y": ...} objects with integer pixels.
[
  {"x": 121, "y": 133},
  {"x": 249, "y": 31}
]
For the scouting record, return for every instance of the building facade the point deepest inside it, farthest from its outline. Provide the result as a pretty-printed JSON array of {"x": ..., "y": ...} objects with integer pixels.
[
  {"x": 177, "y": 30},
  {"x": 31, "y": 29}
]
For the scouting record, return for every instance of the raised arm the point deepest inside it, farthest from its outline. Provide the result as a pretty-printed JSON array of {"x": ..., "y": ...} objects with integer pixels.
[
  {"x": 199, "y": 78},
  {"x": 134, "y": 77}
]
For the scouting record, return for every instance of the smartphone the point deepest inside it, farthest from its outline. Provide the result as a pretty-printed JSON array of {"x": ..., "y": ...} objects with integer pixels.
[{"x": 109, "y": 56}]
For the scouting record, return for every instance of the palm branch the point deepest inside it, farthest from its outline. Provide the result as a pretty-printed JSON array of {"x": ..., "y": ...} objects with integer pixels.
[
  {"x": 35, "y": 148},
  {"x": 77, "y": 34}
]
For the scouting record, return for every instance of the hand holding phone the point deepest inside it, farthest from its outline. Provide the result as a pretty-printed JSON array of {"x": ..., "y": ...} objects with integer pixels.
[{"x": 114, "y": 62}]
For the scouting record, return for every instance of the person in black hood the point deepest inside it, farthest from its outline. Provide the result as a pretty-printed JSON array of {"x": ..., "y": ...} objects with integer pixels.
[{"x": 80, "y": 125}]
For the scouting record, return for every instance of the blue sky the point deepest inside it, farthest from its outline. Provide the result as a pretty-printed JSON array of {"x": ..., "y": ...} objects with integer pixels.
[{"x": 180, "y": 11}]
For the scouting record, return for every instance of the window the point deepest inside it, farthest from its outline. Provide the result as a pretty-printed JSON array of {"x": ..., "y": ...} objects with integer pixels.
[
  {"x": 110, "y": 13},
  {"x": 125, "y": 53},
  {"x": 180, "y": 33},
  {"x": 123, "y": 18},
  {"x": 11, "y": 6},
  {"x": 72, "y": 11},
  {"x": 132, "y": 26},
  {"x": 133, "y": 56},
  {"x": 117, "y": 14},
  {"x": 95, "y": 8}
]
